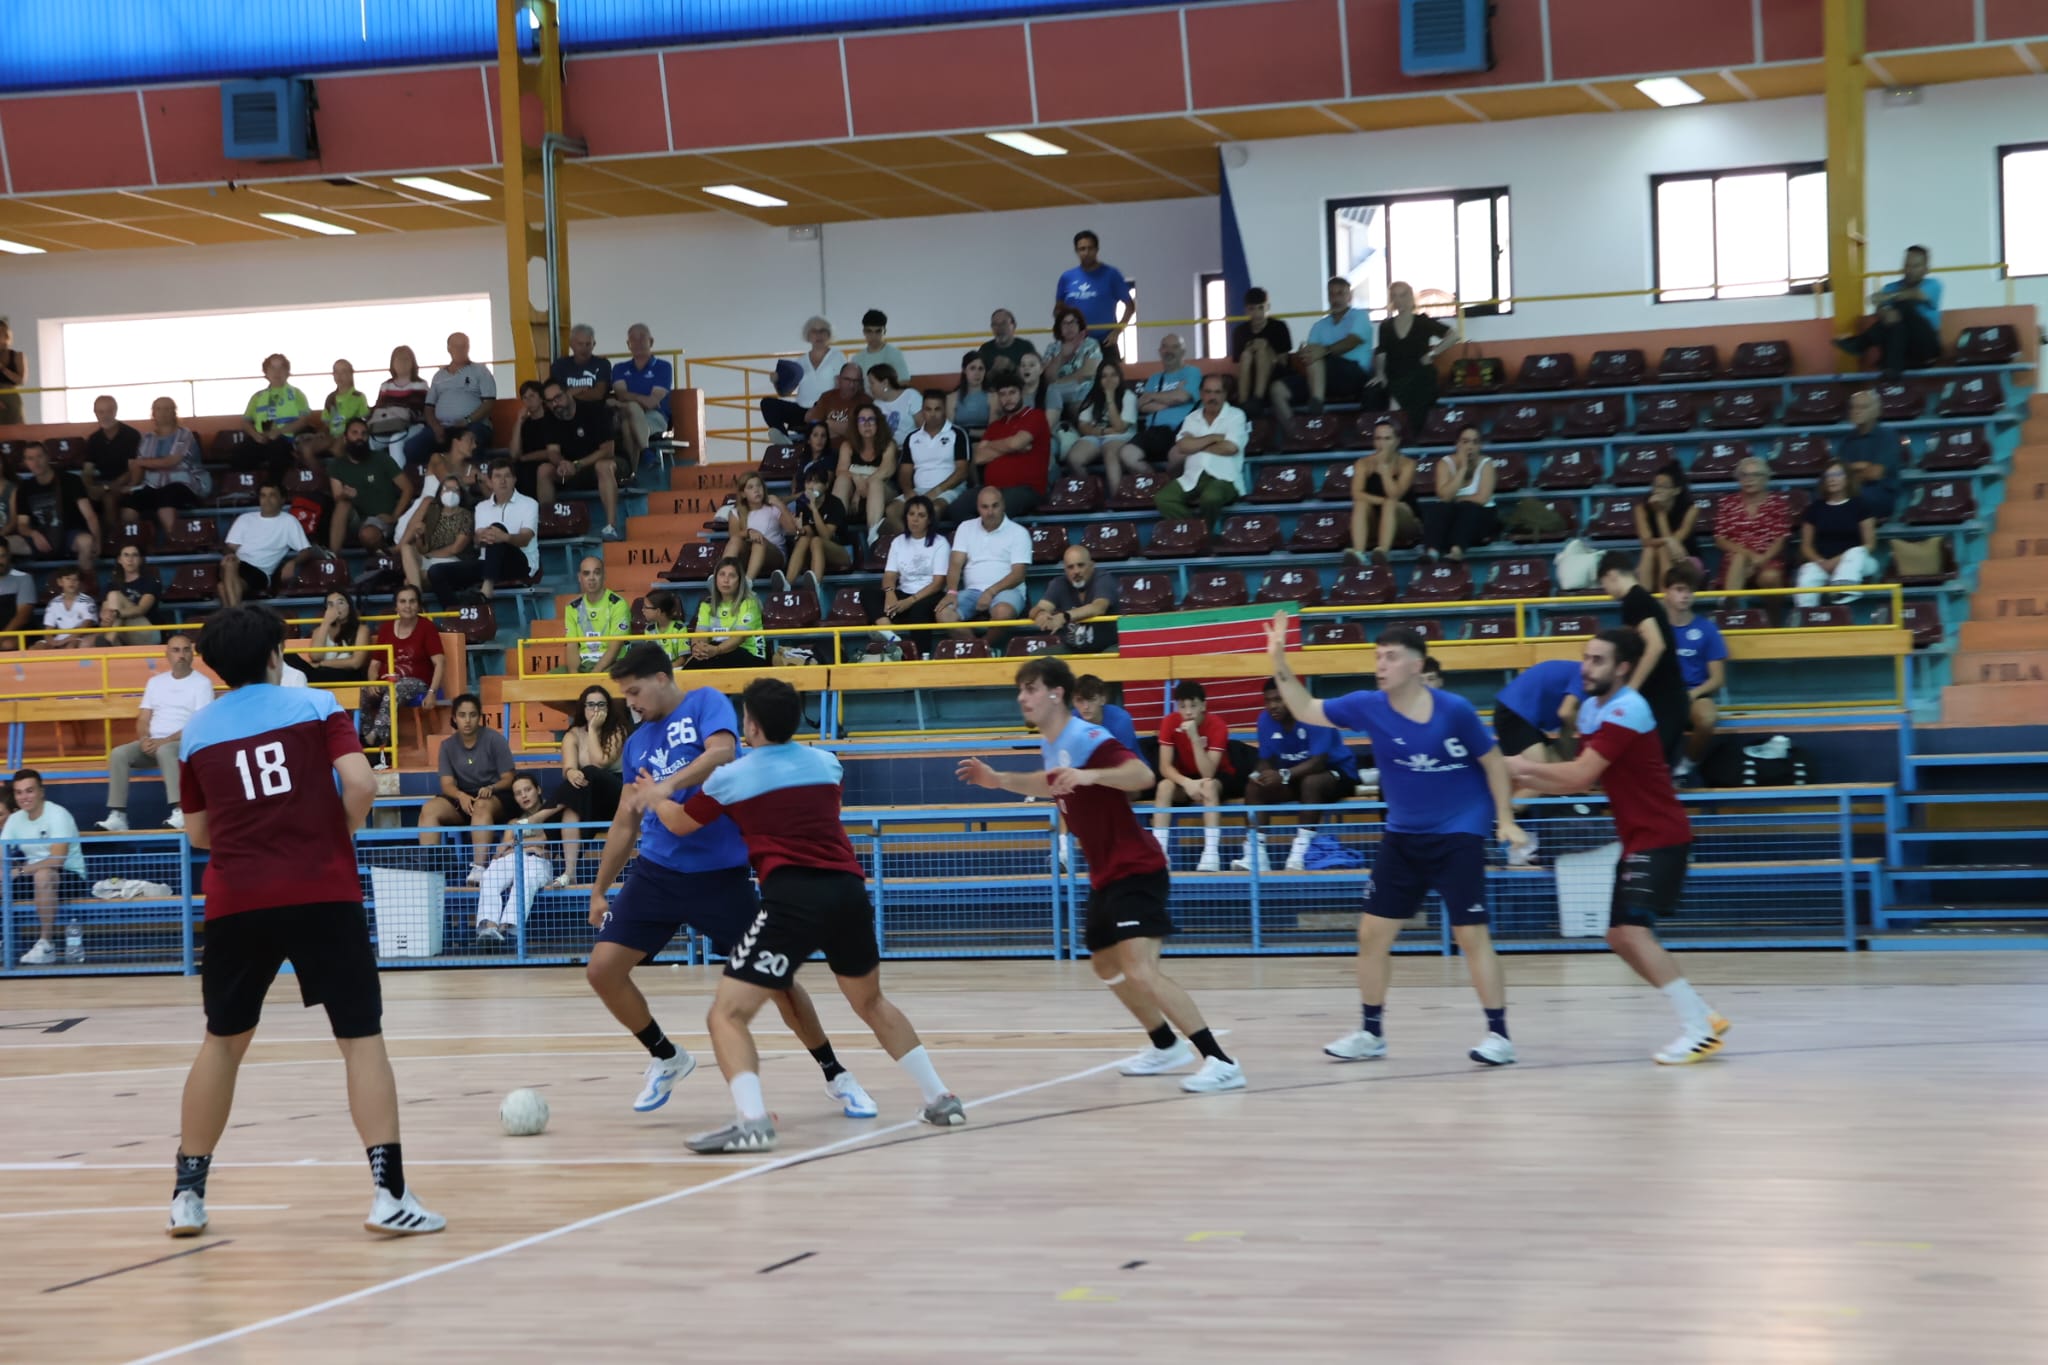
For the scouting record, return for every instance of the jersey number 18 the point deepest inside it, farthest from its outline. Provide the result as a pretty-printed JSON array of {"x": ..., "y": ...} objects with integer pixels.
[{"x": 270, "y": 774}]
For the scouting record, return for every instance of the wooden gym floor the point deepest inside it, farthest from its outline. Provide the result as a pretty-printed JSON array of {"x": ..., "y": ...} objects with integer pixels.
[{"x": 1858, "y": 1178}]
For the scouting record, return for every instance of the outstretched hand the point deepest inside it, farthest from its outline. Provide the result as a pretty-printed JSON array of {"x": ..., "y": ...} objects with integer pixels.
[
  {"x": 1276, "y": 634},
  {"x": 1065, "y": 780},
  {"x": 976, "y": 773}
]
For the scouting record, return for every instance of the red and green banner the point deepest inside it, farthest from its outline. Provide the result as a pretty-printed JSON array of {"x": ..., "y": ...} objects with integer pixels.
[{"x": 1220, "y": 630}]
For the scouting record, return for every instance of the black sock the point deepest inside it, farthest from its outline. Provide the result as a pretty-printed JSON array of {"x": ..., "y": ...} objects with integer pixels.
[
  {"x": 387, "y": 1168},
  {"x": 1370, "y": 1021},
  {"x": 822, "y": 1055},
  {"x": 1162, "y": 1037},
  {"x": 656, "y": 1042},
  {"x": 192, "y": 1174},
  {"x": 1497, "y": 1020},
  {"x": 1205, "y": 1043}
]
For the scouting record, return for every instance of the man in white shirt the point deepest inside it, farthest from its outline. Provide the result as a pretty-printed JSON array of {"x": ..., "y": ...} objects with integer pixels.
[
  {"x": 986, "y": 578},
  {"x": 937, "y": 463},
  {"x": 507, "y": 539},
  {"x": 258, "y": 543},
  {"x": 899, "y": 406},
  {"x": 169, "y": 700},
  {"x": 1208, "y": 457},
  {"x": 50, "y": 857},
  {"x": 461, "y": 395}
]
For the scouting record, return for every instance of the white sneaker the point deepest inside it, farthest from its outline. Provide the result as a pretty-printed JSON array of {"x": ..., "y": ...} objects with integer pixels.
[
  {"x": 1212, "y": 859},
  {"x": 401, "y": 1217},
  {"x": 1523, "y": 855},
  {"x": 188, "y": 1215},
  {"x": 1494, "y": 1050},
  {"x": 1357, "y": 1047},
  {"x": 42, "y": 955},
  {"x": 1066, "y": 846},
  {"x": 1690, "y": 1047},
  {"x": 662, "y": 1075},
  {"x": 476, "y": 874},
  {"x": 558, "y": 884},
  {"x": 489, "y": 932},
  {"x": 1215, "y": 1075},
  {"x": 176, "y": 819},
  {"x": 115, "y": 823},
  {"x": 1297, "y": 852},
  {"x": 1155, "y": 1060},
  {"x": 1254, "y": 853},
  {"x": 854, "y": 1102}
]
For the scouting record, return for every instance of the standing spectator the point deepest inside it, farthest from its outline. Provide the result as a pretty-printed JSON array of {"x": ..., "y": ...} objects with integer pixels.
[
  {"x": 836, "y": 408},
  {"x": 132, "y": 601},
  {"x": 277, "y": 415},
  {"x": 67, "y": 612},
  {"x": 1405, "y": 363},
  {"x": 169, "y": 701},
  {"x": 899, "y": 406},
  {"x": 822, "y": 544},
  {"x": 1092, "y": 704},
  {"x": 56, "y": 516},
  {"x": 415, "y": 670},
  {"x": 1837, "y": 538},
  {"x": 595, "y": 624},
  {"x": 818, "y": 366},
  {"x": 581, "y": 453},
  {"x": 1658, "y": 677},
  {"x": 17, "y": 597},
  {"x": 640, "y": 389},
  {"x": 1071, "y": 363},
  {"x": 338, "y": 650},
  {"x": 1905, "y": 329},
  {"x": 763, "y": 530},
  {"x": 46, "y": 839},
  {"x": 936, "y": 457},
  {"x": 584, "y": 373},
  {"x": 1166, "y": 398},
  {"x": 1208, "y": 458},
  {"x": 985, "y": 576},
  {"x": 1751, "y": 527},
  {"x": 1004, "y": 350},
  {"x": 732, "y": 608},
  {"x": 496, "y": 913},
  {"x": 1015, "y": 452},
  {"x": 257, "y": 546},
  {"x": 967, "y": 404},
  {"x": 538, "y": 438},
  {"x": 110, "y": 454},
  {"x": 13, "y": 375},
  {"x": 1195, "y": 770},
  {"x": 1872, "y": 452},
  {"x": 507, "y": 523},
  {"x": 368, "y": 492},
  {"x": 1074, "y": 600},
  {"x": 1383, "y": 495},
  {"x": 591, "y": 781},
  {"x": 1099, "y": 291},
  {"x": 401, "y": 405},
  {"x": 1702, "y": 662},
  {"x": 1309, "y": 765},
  {"x": 476, "y": 781},
  {"x": 1462, "y": 514},
  {"x": 874, "y": 330},
  {"x": 917, "y": 569},
  {"x": 1103, "y": 424},
  {"x": 1331, "y": 364},
  {"x": 460, "y": 395},
  {"x": 1666, "y": 519},
  {"x": 1257, "y": 347},
  {"x": 172, "y": 468}
]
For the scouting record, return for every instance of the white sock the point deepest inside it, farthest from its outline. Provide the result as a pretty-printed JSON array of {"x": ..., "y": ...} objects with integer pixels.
[
  {"x": 1212, "y": 839},
  {"x": 1303, "y": 837},
  {"x": 1692, "y": 1011},
  {"x": 746, "y": 1096},
  {"x": 919, "y": 1067},
  {"x": 1164, "y": 836}
]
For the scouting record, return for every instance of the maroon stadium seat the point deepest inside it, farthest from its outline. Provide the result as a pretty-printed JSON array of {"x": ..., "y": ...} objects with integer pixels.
[
  {"x": 1567, "y": 511},
  {"x": 1425, "y": 473},
  {"x": 1048, "y": 543},
  {"x": 849, "y": 608},
  {"x": 1254, "y": 533},
  {"x": 1591, "y": 417},
  {"x": 1443, "y": 581},
  {"x": 193, "y": 536},
  {"x": 1636, "y": 466},
  {"x": 1444, "y": 421},
  {"x": 1570, "y": 469},
  {"x": 1026, "y": 646},
  {"x": 477, "y": 623},
  {"x": 695, "y": 560},
  {"x": 1111, "y": 540},
  {"x": 1510, "y": 471},
  {"x": 1144, "y": 594},
  {"x": 1521, "y": 576},
  {"x": 1362, "y": 426},
  {"x": 1741, "y": 409},
  {"x": 1658, "y": 413},
  {"x": 1688, "y": 364},
  {"x": 1575, "y": 623},
  {"x": 877, "y": 560},
  {"x": 1545, "y": 371},
  {"x": 796, "y": 609},
  {"x": 1283, "y": 483},
  {"x": 317, "y": 577},
  {"x": 1954, "y": 451},
  {"x": 381, "y": 573},
  {"x": 1816, "y": 405},
  {"x": 235, "y": 487},
  {"x": 1290, "y": 585},
  {"x": 131, "y": 530},
  {"x": 1744, "y": 618},
  {"x": 1178, "y": 538},
  {"x": 1802, "y": 457},
  {"x": 959, "y": 649},
  {"x": 1716, "y": 462},
  {"x": 1980, "y": 395},
  {"x": 1332, "y": 633},
  {"x": 1073, "y": 493},
  {"x": 1924, "y": 620},
  {"x": 779, "y": 464},
  {"x": 1612, "y": 519},
  {"x": 1616, "y": 369},
  {"x": 1490, "y": 628},
  {"x": 1761, "y": 360},
  {"x": 1217, "y": 588},
  {"x": 1362, "y": 585},
  {"x": 1432, "y": 632},
  {"x": 193, "y": 583},
  {"x": 1815, "y": 617},
  {"x": 1320, "y": 533},
  {"x": 1998, "y": 344},
  {"x": 1136, "y": 493},
  {"x": 301, "y": 482},
  {"x": 1522, "y": 422},
  {"x": 564, "y": 520},
  {"x": 1311, "y": 434},
  {"x": 1336, "y": 484},
  {"x": 1945, "y": 574},
  {"x": 65, "y": 452},
  {"x": 1901, "y": 400},
  {"x": 227, "y": 445},
  {"x": 1263, "y": 439}
]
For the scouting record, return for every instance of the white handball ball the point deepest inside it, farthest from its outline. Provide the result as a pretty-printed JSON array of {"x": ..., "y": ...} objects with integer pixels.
[{"x": 524, "y": 1114}]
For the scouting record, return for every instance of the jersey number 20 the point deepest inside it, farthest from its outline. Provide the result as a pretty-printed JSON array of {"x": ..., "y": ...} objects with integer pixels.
[{"x": 270, "y": 775}]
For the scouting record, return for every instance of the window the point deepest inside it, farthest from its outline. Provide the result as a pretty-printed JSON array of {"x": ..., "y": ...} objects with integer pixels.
[
  {"x": 1213, "y": 341},
  {"x": 2023, "y": 208},
  {"x": 1740, "y": 234},
  {"x": 1447, "y": 246}
]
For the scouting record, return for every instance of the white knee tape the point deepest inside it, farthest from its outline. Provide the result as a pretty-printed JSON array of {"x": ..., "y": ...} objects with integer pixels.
[{"x": 1116, "y": 980}]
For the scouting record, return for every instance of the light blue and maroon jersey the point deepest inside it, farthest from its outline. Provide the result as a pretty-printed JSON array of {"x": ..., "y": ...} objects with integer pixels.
[
  {"x": 785, "y": 799},
  {"x": 1101, "y": 817},
  {"x": 259, "y": 764}
]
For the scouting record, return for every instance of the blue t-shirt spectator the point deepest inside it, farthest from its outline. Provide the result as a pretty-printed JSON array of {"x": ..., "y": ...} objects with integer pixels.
[
  {"x": 1096, "y": 293},
  {"x": 659, "y": 374},
  {"x": 1298, "y": 741},
  {"x": 1356, "y": 322},
  {"x": 1537, "y": 691},
  {"x": 1118, "y": 722},
  {"x": 1190, "y": 380},
  {"x": 1929, "y": 307},
  {"x": 1699, "y": 643}
]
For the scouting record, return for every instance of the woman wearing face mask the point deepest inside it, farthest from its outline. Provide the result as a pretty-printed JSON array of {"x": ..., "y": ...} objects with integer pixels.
[
  {"x": 820, "y": 530},
  {"x": 443, "y": 533},
  {"x": 340, "y": 644},
  {"x": 451, "y": 469}
]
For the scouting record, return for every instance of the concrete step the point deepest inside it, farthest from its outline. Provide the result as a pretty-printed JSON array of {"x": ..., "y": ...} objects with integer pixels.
[
  {"x": 1995, "y": 703},
  {"x": 2016, "y": 605},
  {"x": 2003, "y": 635},
  {"x": 2002, "y": 666},
  {"x": 2018, "y": 574},
  {"x": 2019, "y": 545},
  {"x": 2016, "y": 517}
]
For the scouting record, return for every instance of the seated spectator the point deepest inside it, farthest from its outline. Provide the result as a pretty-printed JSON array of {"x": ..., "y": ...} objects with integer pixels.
[
  {"x": 507, "y": 524},
  {"x": 442, "y": 532},
  {"x": 171, "y": 468},
  {"x": 898, "y": 405},
  {"x": 592, "y": 751},
  {"x": 476, "y": 781},
  {"x": 967, "y": 404},
  {"x": 640, "y": 389},
  {"x": 818, "y": 368},
  {"x": 760, "y": 528},
  {"x": 581, "y": 454},
  {"x": 169, "y": 701},
  {"x": 917, "y": 570},
  {"x": 935, "y": 459},
  {"x": 594, "y": 626},
  {"x": 729, "y": 607},
  {"x": 985, "y": 575},
  {"x": 1837, "y": 539},
  {"x": 1461, "y": 514},
  {"x": 1751, "y": 527},
  {"x": 401, "y": 406},
  {"x": 1071, "y": 363},
  {"x": 45, "y": 838},
  {"x": 10, "y": 518},
  {"x": 1905, "y": 326},
  {"x": 1073, "y": 601},
  {"x": 414, "y": 671},
  {"x": 1871, "y": 450},
  {"x": 1405, "y": 361},
  {"x": 1004, "y": 350},
  {"x": 66, "y": 613},
  {"x": 874, "y": 330},
  {"x": 1208, "y": 458},
  {"x": 836, "y": 407},
  {"x": 338, "y": 650},
  {"x": 368, "y": 492},
  {"x": 1383, "y": 495},
  {"x": 1298, "y": 762},
  {"x": 1432, "y": 674},
  {"x": 497, "y": 912},
  {"x": 1195, "y": 769},
  {"x": 1095, "y": 289},
  {"x": 661, "y": 620},
  {"x": 345, "y": 403},
  {"x": 1014, "y": 454},
  {"x": 1258, "y": 346},
  {"x": 17, "y": 598},
  {"x": 1092, "y": 704},
  {"x": 822, "y": 543},
  {"x": 460, "y": 395},
  {"x": 1166, "y": 398},
  {"x": 1666, "y": 521},
  {"x": 586, "y": 375},
  {"x": 1331, "y": 365},
  {"x": 110, "y": 453},
  {"x": 264, "y": 549},
  {"x": 1030, "y": 381},
  {"x": 132, "y": 601},
  {"x": 1103, "y": 423},
  {"x": 55, "y": 516},
  {"x": 13, "y": 374},
  {"x": 276, "y": 416},
  {"x": 1702, "y": 661}
]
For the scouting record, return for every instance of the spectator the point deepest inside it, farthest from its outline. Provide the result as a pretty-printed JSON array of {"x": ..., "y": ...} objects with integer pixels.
[
  {"x": 1905, "y": 329},
  {"x": 581, "y": 453},
  {"x": 1837, "y": 538},
  {"x": 13, "y": 374},
  {"x": 45, "y": 837},
  {"x": 537, "y": 440},
  {"x": 1208, "y": 458},
  {"x": 1461, "y": 515},
  {"x": 936, "y": 458},
  {"x": 10, "y": 519},
  {"x": 171, "y": 466},
  {"x": 1331, "y": 365},
  {"x": 476, "y": 780},
  {"x": 1097, "y": 290},
  {"x": 110, "y": 454},
  {"x": 764, "y": 529},
  {"x": 1167, "y": 398},
  {"x": 1004, "y": 350},
  {"x": 822, "y": 544},
  {"x": 132, "y": 601},
  {"x": 985, "y": 576},
  {"x": 414, "y": 671},
  {"x": 917, "y": 569},
  {"x": 1030, "y": 380},
  {"x": 1071, "y": 363},
  {"x": 338, "y": 650},
  {"x": 874, "y": 330},
  {"x": 1103, "y": 424},
  {"x": 55, "y": 516},
  {"x": 640, "y": 389},
  {"x": 835, "y": 409},
  {"x": 1539, "y": 702},
  {"x": 1014, "y": 453},
  {"x": 591, "y": 782},
  {"x": 507, "y": 523},
  {"x": 1702, "y": 662},
  {"x": 1871, "y": 450},
  {"x": 401, "y": 406},
  {"x": 1194, "y": 770},
  {"x": 1073, "y": 601},
  {"x": 257, "y": 548},
  {"x": 899, "y": 406},
  {"x": 344, "y": 404},
  {"x": 1751, "y": 527},
  {"x": 1432, "y": 674},
  {"x": 731, "y": 607},
  {"x": 967, "y": 404},
  {"x": 1405, "y": 363},
  {"x": 1092, "y": 704},
  {"x": 277, "y": 415},
  {"x": 1666, "y": 520},
  {"x": 1257, "y": 347},
  {"x": 443, "y": 531},
  {"x": 1658, "y": 678},
  {"x": 819, "y": 451},
  {"x": 169, "y": 701},
  {"x": 497, "y": 916},
  {"x": 596, "y": 623},
  {"x": 17, "y": 597},
  {"x": 66, "y": 612},
  {"x": 1309, "y": 765},
  {"x": 661, "y": 620},
  {"x": 1383, "y": 495},
  {"x": 818, "y": 365},
  {"x": 368, "y": 492},
  {"x": 586, "y": 375},
  {"x": 460, "y": 395}
]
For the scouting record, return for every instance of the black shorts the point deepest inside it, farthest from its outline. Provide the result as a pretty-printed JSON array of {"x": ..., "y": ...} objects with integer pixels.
[
  {"x": 656, "y": 902},
  {"x": 1649, "y": 883},
  {"x": 1343, "y": 380},
  {"x": 328, "y": 945},
  {"x": 1410, "y": 866},
  {"x": 255, "y": 582},
  {"x": 1129, "y": 907},
  {"x": 146, "y": 499},
  {"x": 807, "y": 910},
  {"x": 1515, "y": 734}
]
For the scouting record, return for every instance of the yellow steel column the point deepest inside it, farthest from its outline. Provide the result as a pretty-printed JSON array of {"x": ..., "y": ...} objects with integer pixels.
[
  {"x": 1846, "y": 89},
  {"x": 549, "y": 80},
  {"x": 534, "y": 332}
]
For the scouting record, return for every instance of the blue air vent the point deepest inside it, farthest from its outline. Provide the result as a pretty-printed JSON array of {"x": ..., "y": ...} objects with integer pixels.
[
  {"x": 267, "y": 120},
  {"x": 1443, "y": 37}
]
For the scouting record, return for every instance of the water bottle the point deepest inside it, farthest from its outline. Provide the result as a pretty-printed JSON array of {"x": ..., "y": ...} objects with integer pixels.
[{"x": 74, "y": 942}]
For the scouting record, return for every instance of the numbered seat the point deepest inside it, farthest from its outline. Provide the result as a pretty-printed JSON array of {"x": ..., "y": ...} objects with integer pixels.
[
  {"x": 477, "y": 623},
  {"x": 1332, "y": 633},
  {"x": 193, "y": 583},
  {"x": 1510, "y": 471},
  {"x": 1547, "y": 371},
  {"x": 959, "y": 649},
  {"x": 1111, "y": 541},
  {"x": 1981, "y": 395},
  {"x": 1048, "y": 543},
  {"x": 1431, "y": 631},
  {"x": 779, "y": 464},
  {"x": 1816, "y": 405},
  {"x": 1688, "y": 364},
  {"x": 1336, "y": 483},
  {"x": 1901, "y": 400},
  {"x": 1443, "y": 581},
  {"x": 1956, "y": 451},
  {"x": 1072, "y": 494},
  {"x": 1743, "y": 618},
  {"x": 193, "y": 536},
  {"x": 1637, "y": 466},
  {"x": 1590, "y": 418},
  {"x": 1255, "y": 533},
  {"x": 1741, "y": 410},
  {"x": 1802, "y": 457},
  {"x": 1761, "y": 360},
  {"x": 1612, "y": 519},
  {"x": 1320, "y": 533},
  {"x": 1490, "y": 628},
  {"x": 1522, "y": 422},
  {"x": 1997, "y": 344},
  {"x": 1716, "y": 461},
  {"x": 1445, "y": 421},
  {"x": 1362, "y": 585},
  {"x": 1217, "y": 588},
  {"x": 1564, "y": 509},
  {"x": 1819, "y": 617},
  {"x": 1362, "y": 426},
  {"x": 1283, "y": 484},
  {"x": 849, "y": 608},
  {"x": 796, "y": 609},
  {"x": 236, "y": 487},
  {"x": 1178, "y": 538},
  {"x": 1924, "y": 620},
  {"x": 1030, "y": 646},
  {"x": 1943, "y": 504},
  {"x": 1573, "y": 623},
  {"x": 1519, "y": 576},
  {"x": 1290, "y": 585},
  {"x": 1310, "y": 433},
  {"x": 1616, "y": 369},
  {"x": 696, "y": 559},
  {"x": 316, "y": 577},
  {"x": 1666, "y": 412},
  {"x": 1136, "y": 493},
  {"x": 1572, "y": 468},
  {"x": 1144, "y": 594},
  {"x": 561, "y": 520}
]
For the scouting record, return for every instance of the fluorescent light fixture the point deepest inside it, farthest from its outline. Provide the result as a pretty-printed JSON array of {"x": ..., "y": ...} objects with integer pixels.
[
  {"x": 429, "y": 185},
  {"x": 300, "y": 220},
  {"x": 1669, "y": 90},
  {"x": 19, "y": 248},
  {"x": 753, "y": 199},
  {"x": 1027, "y": 144}
]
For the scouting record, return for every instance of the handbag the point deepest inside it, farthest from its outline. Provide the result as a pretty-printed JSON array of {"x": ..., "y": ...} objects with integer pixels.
[{"x": 390, "y": 419}]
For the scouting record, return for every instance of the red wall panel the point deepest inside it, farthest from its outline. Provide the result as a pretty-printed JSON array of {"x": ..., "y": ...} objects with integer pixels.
[
  {"x": 1793, "y": 30},
  {"x": 744, "y": 96},
  {"x": 400, "y": 119},
  {"x": 1108, "y": 67},
  {"x": 1373, "y": 29},
  {"x": 2015, "y": 19},
  {"x": 184, "y": 135},
  {"x": 1278, "y": 52},
  {"x": 614, "y": 104},
  {"x": 75, "y": 142},
  {"x": 1593, "y": 38},
  {"x": 925, "y": 82},
  {"x": 1893, "y": 24}
]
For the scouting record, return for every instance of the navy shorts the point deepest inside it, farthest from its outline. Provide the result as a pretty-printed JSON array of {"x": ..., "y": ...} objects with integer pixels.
[
  {"x": 1410, "y": 866},
  {"x": 655, "y": 902}
]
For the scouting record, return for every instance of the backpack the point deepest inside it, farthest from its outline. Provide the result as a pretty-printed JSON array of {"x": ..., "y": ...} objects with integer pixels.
[
  {"x": 1477, "y": 374},
  {"x": 1535, "y": 519}
]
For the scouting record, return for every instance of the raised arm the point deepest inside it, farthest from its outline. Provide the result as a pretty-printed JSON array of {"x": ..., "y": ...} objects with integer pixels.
[{"x": 1303, "y": 706}]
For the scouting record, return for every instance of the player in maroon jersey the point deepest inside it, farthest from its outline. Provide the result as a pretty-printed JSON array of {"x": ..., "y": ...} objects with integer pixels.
[
  {"x": 1621, "y": 753},
  {"x": 1088, "y": 772},
  {"x": 260, "y": 768}
]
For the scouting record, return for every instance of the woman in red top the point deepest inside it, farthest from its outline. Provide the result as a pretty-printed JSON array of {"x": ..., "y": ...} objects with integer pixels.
[
  {"x": 415, "y": 670},
  {"x": 1751, "y": 527}
]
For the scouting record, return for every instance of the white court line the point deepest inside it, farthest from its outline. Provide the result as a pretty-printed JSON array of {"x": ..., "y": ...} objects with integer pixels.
[
  {"x": 603, "y": 1033},
  {"x": 580, "y": 1224},
  {"x": 310, "y": 1161},
  {"x": 142, "y": 1208}
]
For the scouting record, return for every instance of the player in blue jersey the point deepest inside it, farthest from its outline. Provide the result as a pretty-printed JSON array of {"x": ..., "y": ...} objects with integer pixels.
[
  {"x": 1445, "y": 785},
  {"x": 701, "y": 879},
  {"x": 1538, "y": 703}
]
